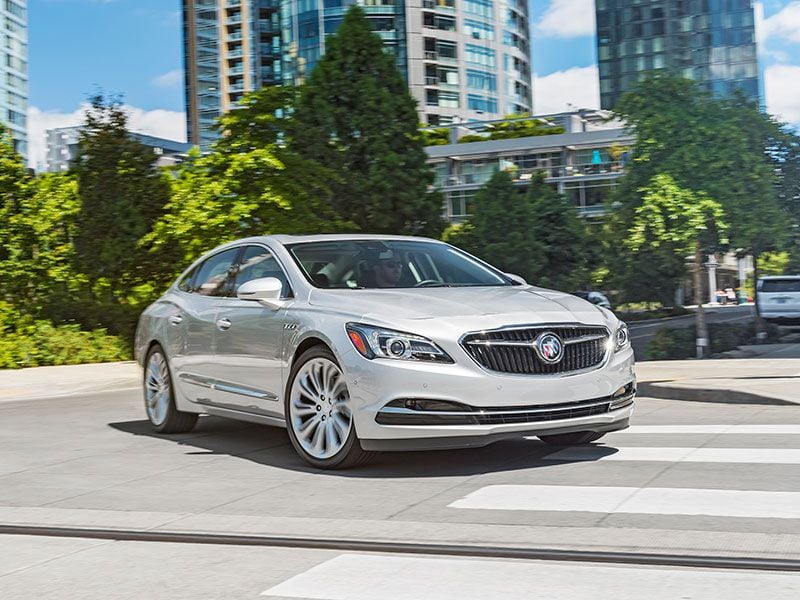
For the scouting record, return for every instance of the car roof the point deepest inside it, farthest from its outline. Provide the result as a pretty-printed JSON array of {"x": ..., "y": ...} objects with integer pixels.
[
  {"x": 285, "y": 239},
  {"x": 767, "y": 277}
]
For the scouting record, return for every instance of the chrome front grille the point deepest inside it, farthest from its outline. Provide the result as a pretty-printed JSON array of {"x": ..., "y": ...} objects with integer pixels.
[{"x": 512, "y": 350}]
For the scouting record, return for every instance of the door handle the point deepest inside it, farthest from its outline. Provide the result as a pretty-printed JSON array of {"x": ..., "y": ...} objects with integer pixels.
[
  {"x": 223, "y": 324},
  {"x": 176, "y": 319}
]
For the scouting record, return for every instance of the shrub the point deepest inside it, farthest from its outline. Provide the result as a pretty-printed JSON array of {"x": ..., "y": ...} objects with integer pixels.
[
  {"x": 673, "y": 343},
  {"x": 28, "y": 343}
]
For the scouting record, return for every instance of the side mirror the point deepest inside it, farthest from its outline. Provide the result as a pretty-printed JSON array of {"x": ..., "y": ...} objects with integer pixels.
[
  {"x": 516, "y": 278},
  {"x": 266, "y": 290}
]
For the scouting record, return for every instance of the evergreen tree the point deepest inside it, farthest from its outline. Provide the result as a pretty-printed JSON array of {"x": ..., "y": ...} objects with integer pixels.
[
  {"x": 356, "y": 118},
  {"x": 561, "y": 234},
  {"x": 499, "y": 229},
  {"x": 122, "y": 194}
]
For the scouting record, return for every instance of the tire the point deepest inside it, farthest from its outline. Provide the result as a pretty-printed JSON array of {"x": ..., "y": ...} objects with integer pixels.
[
  {"x": 576, "y": 438},
  {"x": 318, "y": 414},
  {"x": 159, "y": 396}
]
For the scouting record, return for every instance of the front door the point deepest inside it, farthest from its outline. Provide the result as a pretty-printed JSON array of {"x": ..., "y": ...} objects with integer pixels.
[
  {"x": 249, "y": 341},
  {"x": 196, "y": 317}
]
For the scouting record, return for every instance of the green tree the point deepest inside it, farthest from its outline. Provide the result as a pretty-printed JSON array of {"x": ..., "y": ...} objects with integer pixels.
[
  {"x": 38, "y": 275},
  {"x": 561, "y": 235},
  {"x": 16, "y": 190},
  {"x": 688, "y": 222},
  {"x": 499, "y": 230},
  {"x": 250, "y": 183},
  {"x": 122, "y": 194},
  {"x": 721, "y": 148},
  {"x": 355, "y": 117}
]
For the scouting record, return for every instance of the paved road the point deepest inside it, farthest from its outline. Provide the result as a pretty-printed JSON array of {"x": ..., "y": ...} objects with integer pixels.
[
  {"x": 642, "y": 333},
  {"x": 690, "y": 479}
]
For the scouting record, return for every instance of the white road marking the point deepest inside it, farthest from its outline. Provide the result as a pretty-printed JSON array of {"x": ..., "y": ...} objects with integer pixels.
[
  {"x": 754, "y": 429},
  {"x": 632, "y": 500},
  {"x": 712, "y": 455},
  {"x": 372, "y": 577}
]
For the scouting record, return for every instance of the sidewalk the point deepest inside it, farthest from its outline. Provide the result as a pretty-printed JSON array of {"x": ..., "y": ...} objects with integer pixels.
[
  {"x": 772, "y": 378},
  {"x": 50, "y": 382}
]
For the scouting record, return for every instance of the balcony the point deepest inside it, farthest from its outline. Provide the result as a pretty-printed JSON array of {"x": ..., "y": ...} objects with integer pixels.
[
  {"x": 235, "y": 37},
  {"x": 239, "y": 70},
  {"x": 237, "y": 88},
  {"x": 234, "y": 20},
  {"x": 595, "y": 171},
  {"x": 433, "y": 56},
  {"x": 445, "y": 5},
  {"x": 236, "y": 53}
]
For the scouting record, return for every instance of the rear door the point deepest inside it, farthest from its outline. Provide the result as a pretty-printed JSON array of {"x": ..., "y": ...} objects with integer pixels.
[{"x": 249, "y": 341}]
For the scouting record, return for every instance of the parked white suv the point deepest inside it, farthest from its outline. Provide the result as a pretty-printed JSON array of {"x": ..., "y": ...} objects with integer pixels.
[
  {"x": 365, "y": 343},
  {"x": 779, "y": 298}
]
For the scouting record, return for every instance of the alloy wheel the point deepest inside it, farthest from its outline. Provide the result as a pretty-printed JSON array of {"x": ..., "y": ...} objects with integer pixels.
[
  {"x": 157, "y": 388},
  {"x": 319, "y": 410}
]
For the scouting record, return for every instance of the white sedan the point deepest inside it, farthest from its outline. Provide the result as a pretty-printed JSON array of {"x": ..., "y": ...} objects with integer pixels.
[{"x": 361, "y": 343}]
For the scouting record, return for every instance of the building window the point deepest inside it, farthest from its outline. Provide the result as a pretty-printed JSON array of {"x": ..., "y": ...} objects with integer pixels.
[
  {"x": 481, "y": 103},
  {"x": 482, "y": 8},
  {"x": 16, "y": 118},
  {"x": 478, "y": 30},
  {"x": 478, "y": 55},
  {"x": 481, "y": 80},
  {"x": 442, "y": 22}
]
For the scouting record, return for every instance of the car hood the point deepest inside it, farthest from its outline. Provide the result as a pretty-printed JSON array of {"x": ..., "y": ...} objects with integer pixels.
[{"x": 470, "y": 308}]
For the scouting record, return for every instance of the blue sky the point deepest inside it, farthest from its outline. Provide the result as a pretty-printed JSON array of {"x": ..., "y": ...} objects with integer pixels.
[{"x": 134, "y": 47}]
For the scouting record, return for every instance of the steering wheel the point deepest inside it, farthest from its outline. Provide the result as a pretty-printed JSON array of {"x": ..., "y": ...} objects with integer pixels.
[{"x": 427, "y": 282}]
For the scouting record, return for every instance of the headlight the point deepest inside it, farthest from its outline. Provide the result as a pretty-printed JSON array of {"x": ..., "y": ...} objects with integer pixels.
[
  {"x": 376, "y": 342},
  {"x": 622, "y": 338}
]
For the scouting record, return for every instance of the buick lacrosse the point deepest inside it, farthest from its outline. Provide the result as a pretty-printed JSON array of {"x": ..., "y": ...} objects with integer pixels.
[{"x": 362, "y": 343}]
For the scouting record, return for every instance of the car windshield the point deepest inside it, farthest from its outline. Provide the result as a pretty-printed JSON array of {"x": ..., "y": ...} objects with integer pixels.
[{"x": 372, "y": 264}]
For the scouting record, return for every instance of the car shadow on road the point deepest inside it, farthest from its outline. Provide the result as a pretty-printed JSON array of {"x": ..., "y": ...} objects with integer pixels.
[{"x": 270, "y": 446}]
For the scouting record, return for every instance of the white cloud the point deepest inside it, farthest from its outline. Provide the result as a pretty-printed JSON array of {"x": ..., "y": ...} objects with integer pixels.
[
  {"x": 781, "y": 90},
  {"x": 169, "y": 79},
  {"x": 578, "y": 86},
  {"x": 783, "y": 24},
  {"x": 567, "y": 19},
  {"x": 160, "y": 123}
]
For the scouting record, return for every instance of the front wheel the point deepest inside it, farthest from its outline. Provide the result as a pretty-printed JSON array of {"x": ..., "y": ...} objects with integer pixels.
[
  {"x": 572, "y": 439},
  {"x": 159, "y": 396},
  {"x": 319, "y": 417}
]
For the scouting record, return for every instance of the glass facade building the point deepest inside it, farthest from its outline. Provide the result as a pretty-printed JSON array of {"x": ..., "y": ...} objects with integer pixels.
[
  {"x": 14, "y": 99},
  {"x": 230, "y": 47},
  {"x": 709, "y": 41},
  {"x": 463, "y": 60}
]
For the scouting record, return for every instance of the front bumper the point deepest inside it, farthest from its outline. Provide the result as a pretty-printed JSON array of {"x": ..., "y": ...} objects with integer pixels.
[{"x": 496, "y": 406}]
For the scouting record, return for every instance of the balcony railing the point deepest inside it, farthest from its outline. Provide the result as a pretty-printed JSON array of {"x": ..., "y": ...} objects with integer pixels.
[{"x": 611, "y": 168}]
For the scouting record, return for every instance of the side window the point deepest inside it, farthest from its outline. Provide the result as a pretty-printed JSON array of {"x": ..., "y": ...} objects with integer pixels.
[
  {"x": 185, "y": 284},
  {"x": 258, "y": 262},
  {"x": 213, "y": 275}
]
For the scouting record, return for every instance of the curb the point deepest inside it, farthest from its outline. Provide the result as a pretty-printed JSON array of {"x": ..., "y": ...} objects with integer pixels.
[{"x": 655, "y": 389}]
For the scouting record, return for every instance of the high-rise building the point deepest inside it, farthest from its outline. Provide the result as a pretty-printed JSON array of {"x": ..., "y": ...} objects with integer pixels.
[
  {"x": 709, "y": 41},
  {"x": 14, "y": 98},
  {"x": 229, "y": 47},
  {"x": 463, "y": 59}
]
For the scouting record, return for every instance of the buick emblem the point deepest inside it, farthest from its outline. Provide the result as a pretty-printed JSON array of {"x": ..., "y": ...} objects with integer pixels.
[{"x": 549, "y": 347}]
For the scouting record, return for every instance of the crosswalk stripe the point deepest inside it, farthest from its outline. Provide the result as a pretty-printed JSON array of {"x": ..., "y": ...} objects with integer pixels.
[
  {"x": 755, "y": 429},
  {"x": 367, "y": 577},
  {"x": 713, "y": 455},
  {"x": 632, "y": 500}
]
